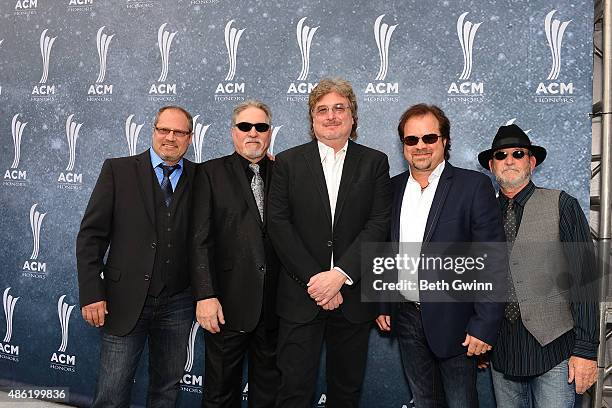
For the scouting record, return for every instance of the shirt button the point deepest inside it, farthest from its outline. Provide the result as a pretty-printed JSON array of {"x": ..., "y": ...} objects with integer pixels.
[
  {"x": 329, "y": 243},
  {"x": 262, "y": 268},
  {"x": 169, "y": 214},
  {"x": 168, "y": 229}
]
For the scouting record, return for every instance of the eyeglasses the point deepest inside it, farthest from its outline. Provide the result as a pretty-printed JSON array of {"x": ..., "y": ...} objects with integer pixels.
[
  {"x": 517, "y": 154},
  {"x": 338, "y": 109},
  {"x": 259, "y": 127},
  {"x": 414, "y": 140},
  {"x": 177, "y": 133}
]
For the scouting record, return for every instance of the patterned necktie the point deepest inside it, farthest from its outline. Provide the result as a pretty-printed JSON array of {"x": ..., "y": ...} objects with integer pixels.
[
  {"x": 512, "y": 310},
  {"x": 257, "y": 185},
  {"x": 166, "y": 186}
]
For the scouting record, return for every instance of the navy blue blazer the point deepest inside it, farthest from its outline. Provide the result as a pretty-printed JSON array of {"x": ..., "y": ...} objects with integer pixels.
[{"x": 464, "y": 209}]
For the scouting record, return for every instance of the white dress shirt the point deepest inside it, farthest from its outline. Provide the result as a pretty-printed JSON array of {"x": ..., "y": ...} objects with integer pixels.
[
  {"x": 333, "y": 163},
  {"x": 416, "y": 204}
]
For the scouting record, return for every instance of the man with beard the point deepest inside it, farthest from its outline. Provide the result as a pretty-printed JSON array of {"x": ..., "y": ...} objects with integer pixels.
[
  {"x": 547, "y": 346},
  {"x": 436, "y": 202},
  {"x": 234, "y": 268}
]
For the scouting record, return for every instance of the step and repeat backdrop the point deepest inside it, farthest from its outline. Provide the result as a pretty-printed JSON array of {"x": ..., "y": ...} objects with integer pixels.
[{"x": 81, "y": 80}]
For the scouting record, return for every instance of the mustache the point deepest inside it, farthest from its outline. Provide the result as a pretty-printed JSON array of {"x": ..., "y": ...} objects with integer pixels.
[
  {"x": 421, "y": 151},
  {"x": 333, "y": 122},
  {"x": 253, "y": 140}
]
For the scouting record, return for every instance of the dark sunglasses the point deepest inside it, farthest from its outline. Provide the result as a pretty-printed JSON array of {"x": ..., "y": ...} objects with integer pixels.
[
  {"x": 246, "y": 126},
  {"x": 414, "y": 140},
  {"x": 517, "y": 154}
]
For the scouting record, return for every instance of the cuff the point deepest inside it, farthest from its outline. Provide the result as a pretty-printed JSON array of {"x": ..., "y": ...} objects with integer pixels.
[
  {"x": 585, "y": 349},
  {"x": 348, "y": 281}
]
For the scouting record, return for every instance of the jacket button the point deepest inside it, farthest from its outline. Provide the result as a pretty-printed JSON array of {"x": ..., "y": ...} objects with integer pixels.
[
  {"x": 153, "y": 245},
  {"x": 167, "y": 261},
  {"x": 146, "y": 277},
  {"x": 329, "y": 243},
  {"x": 262, "y": 268}
]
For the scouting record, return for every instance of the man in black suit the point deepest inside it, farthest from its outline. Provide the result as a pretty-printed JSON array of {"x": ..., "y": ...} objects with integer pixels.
[
  {"x": 435, "y": 202},
  {"x": 233, "y": 268},
  {"x": 140, "y": 209},
  {"x": 327, "y": 198}
]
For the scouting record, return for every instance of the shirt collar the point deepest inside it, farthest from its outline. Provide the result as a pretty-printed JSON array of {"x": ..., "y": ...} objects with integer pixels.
[
  {"x": 435, "y": 174},
  {"x": 156, "y": 160},
  {"x": 522, "y": 196},
  {"x": 325, "y": 150}
]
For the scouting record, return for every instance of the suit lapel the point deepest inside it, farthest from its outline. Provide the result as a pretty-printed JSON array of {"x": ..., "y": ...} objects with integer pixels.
[
  {"x": 145, "y": 183},
  {"x": 313, "y": 160},
  {"x": 398, "y": 197},
  {"x": 351, "y": 163},
  {"x": 444, "y": 184},
  {"x": 245, "y": 188},
  {"x": 185, "y": 180}
]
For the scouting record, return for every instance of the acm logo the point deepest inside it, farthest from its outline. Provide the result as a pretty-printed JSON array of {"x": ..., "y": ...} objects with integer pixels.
[
  {"x": 44, "y": 92},
  {"x": 466, "y": 91},
  {"x": 61, "y": 360},
  {"x": 34, "y": 268},
  {"x": 163, "y": 90},
  {"x": 9, "y": 351},
  {"x": 229, "y": 90}
]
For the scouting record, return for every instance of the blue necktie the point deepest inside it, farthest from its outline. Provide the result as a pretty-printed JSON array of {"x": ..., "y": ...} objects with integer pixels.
[{"x": 166, "y": 186}]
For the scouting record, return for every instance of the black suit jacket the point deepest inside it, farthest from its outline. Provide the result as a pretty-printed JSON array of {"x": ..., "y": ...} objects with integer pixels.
[
  {"x": 464, "y": 209},
  {"x": 121, "y": 214},
  {"x": 301, "y": 229},
  {"x": 231, "y": 256}
]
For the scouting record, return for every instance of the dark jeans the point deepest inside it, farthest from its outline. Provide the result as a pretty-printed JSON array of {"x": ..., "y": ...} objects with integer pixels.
[
  {"x": 434, "y": 382},
  {"x": 299, "y": 351},
  {"x": 165, "y": 322},
  {"x": 224, "y": 355}
]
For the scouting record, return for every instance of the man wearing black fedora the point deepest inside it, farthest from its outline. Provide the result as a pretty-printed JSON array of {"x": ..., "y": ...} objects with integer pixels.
[{"x": 547, "y": 346}]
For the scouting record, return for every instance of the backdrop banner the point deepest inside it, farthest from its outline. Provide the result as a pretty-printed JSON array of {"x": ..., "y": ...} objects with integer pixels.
[{"x": 81, "y": 81}]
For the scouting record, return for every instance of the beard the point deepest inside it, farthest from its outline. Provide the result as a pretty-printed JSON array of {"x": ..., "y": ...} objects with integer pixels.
[{"x": 508, "y": 183}]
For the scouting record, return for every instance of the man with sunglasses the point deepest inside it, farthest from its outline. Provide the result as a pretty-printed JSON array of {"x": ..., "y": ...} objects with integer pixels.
[
  {"x": 547, "y": 346},
  {"x": 139, "y": 292},
  {"x": 233, "y": 266},
  {"x": 434, "y": 201},
  {"x": 327, "y": 197}
]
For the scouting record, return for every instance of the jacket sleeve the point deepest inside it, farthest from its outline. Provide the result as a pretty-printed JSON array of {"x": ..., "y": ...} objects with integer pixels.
[
  {"x": 290, "y": 248},
  {"x": 93, "y": 238},
  {"x": 201, "y": 238}
]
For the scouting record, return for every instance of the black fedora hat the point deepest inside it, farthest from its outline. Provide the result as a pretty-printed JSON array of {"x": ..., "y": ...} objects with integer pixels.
[{"x": 511, "y": 136}]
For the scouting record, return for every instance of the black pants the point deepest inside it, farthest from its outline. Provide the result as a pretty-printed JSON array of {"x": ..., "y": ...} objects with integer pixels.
[
  {"x": 223, "y": 361},
  {"x": 299, "y": 351}
]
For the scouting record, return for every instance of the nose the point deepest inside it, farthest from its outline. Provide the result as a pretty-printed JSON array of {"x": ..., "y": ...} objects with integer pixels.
[
  {"x": 171, "y": 135},
  {"x": 252, "y": 132}
]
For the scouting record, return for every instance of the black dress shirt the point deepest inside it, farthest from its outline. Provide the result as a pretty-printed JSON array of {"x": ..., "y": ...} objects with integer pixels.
[{"x": 517, "y": 352}]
